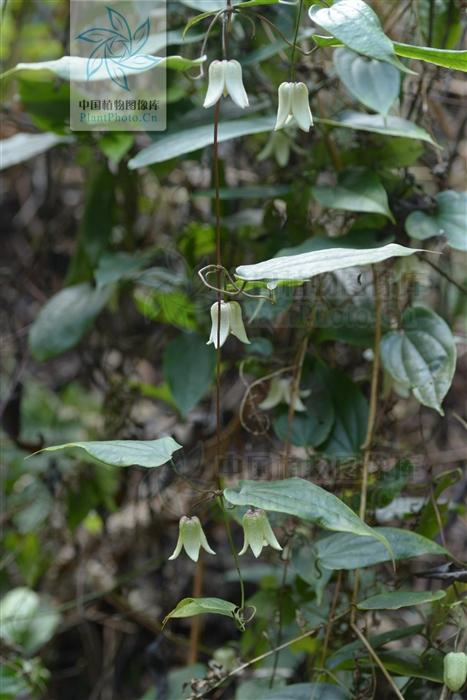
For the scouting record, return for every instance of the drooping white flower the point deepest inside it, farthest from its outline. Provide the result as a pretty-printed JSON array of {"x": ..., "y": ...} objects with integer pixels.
[
  {"x": 231, "y": 322},
  {"x": 257, "y": 532},
  {"x": 191, "y": 538},
  {"x": 280, "y": 391},
  {"x": 225, "y": 78},
  {"x": 278, "y": 146},
  {"x": 293, "y": 105}
]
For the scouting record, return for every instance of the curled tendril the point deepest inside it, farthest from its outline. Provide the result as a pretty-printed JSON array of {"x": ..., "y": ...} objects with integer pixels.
[
  {"x": 241, "y": 620},
  {"x": 244, "y": 11},
  {"x": 261, "y": 418},
  {"x": 214, "y": 269},
  {"x": 212, "y": 23}
]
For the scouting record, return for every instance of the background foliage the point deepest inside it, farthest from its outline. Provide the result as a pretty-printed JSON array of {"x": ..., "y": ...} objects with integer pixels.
[{"x": 104, "y": 336}]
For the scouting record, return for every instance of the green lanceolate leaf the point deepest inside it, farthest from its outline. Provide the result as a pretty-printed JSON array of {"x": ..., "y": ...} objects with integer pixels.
[
  {"x": 20, "y": 147},
  {"x": 357, "y": 189},
  {"x": 421, "y": 356},
  {"x": 455, "y": 60},
  {"x": 449, "y": 219},
  {"x": 379, "y": 124},
  {"x": 125, "y": 453},
  {"x": 74, "y": 67},
  {"x": 305, "y": 691},
  {"x": 399, "y": 599},
  {"x": 348, "y": 655},
  {"x": 188, "y": 369},
  {"x": 355, "y": 24},
  {"x": 176, "y": 144},
  {"x": 65, "y": 319},
  {"x": 345, "y": 551},
  {"x": 302, "y": 499},
  {"x": 375, "y": 84},
  {"x": 308, "y": 265},
  {"x": 188, "y": 607}
]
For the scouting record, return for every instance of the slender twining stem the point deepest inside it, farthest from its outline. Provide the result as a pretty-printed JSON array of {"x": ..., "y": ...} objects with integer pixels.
[
  {"x": 267, "y": 654},
  {"x": 371, "y": 424},
  {"x": 378, "y": 661},
  {"x": 234, "y": 552},
  {"x": 195, "y": 630},
  {"x": 327, "y": 634},
  {"x": 280, "y": 625},
  {"x": 217, "y": 206},
  {"x": 294, "y": 45}
]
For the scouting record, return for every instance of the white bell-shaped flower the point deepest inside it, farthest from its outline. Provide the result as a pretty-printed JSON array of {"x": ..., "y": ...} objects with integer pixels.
[
  {"x": 191, "y": 538},
  {"x": 257, "y": 532},
  {"x": 280, "y": 391},
  {"x": 293, "y": 105},
  {"x": 225, "y": 78},
  {"x": 231, "y": 322}
]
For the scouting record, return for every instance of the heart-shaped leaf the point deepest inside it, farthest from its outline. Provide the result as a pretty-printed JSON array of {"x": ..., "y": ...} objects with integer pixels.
[
  {"x": 355, "y": 24},
  {"x": 449, "y": 219},
  {"x": 374, "y": 83},
  {"x": 421, "y": 356},
  {"x": 308, "y": 265},
  {"x": 125, "y": 453},
  {"x": 357, "y": 189}
]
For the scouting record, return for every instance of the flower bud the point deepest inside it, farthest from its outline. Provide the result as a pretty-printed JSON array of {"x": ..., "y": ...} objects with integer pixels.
[
  {"x": 293, "y": 105},
  {"x": 455, "y": 670}
]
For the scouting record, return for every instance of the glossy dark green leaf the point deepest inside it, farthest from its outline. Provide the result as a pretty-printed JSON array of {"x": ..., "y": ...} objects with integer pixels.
[
  {"x": 407, "y": 663},
  {"x": 421, "y": 356},
  {"x": 345, "y": 551},
  {"x": 65, "y": 319},
  {"x": 357, "y": 189},
  {"x": 399, "y": 599},
  {"x": 355, "y": 24},
  {"x": 188, "y": 367},
  {"x": 348, "y": 655},
  {"x": 375, "y": 84},
  {"x": 302, "y": 499},
  {"x": 449, "y": 219},
  {"x": 350, "y": 416},
  {"x": 125, "y": 453}
]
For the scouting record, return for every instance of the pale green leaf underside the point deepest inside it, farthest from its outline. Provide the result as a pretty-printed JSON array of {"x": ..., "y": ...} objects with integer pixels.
[
  {"x": 449, "y": 220},
  {"x": 308, "y": 265},
  {"x": 21, "y": 147},
  {"x": 399, "y": 599},
  {"x": 379, "y": 124},
  {"x": 356, "y": 190},
  {"x": 355, "y": 24},
  {"x": 302, "y": 499},
  {"x": 189, "y": 607},
  {"x": 74, "y": 67},
  {"x": 125, "y": 453},
  {"x": 421, "y": 356},
  {"x": 345, "y": 551}
]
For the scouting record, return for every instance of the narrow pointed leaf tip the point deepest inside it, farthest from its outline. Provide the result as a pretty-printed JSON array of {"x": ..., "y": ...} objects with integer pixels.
[
  {"x": 124, "y": 453},
  {"x": 305, "y": 500},
  {"x": 308, "y": 265}
]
